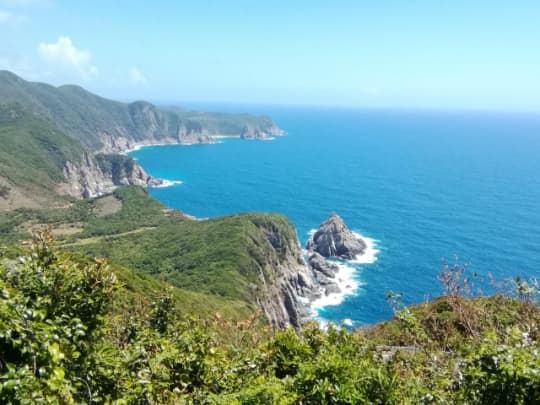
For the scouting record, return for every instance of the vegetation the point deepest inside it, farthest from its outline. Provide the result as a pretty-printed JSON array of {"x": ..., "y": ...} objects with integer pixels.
[
  {"x": 70, "y": 332},
  {"x": 85, "y": 117},
  {"x": 117, "y": 166},
  {"x": 80, "y": 330},
  {"x": 222, "y": 256},
  {"x": 33, "y": 151},
  {"x": 43, "y": 127}
]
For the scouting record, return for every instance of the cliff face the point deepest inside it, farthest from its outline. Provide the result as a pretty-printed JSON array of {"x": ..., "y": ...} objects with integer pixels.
[
  {"x": 148, "y": 125},
  {"x": 285, "y": 283},
  {"x": 96, "y": 175},
  {"x": 108, "y": 126},
  {"x": 60, "y": 124}
]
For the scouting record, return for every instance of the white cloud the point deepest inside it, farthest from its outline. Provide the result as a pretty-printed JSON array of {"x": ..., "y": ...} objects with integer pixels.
[
  {"x": 136, "y": 76},
  {"x": 63, "y": 53},
  {"x": 7, "y": 17}
]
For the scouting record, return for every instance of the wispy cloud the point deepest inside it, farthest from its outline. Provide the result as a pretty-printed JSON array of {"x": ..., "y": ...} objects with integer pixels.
[
  {"x": 25, "y": 3},
  {"x": 63, "y": 53},
  {"x": 137, "y": 77},
  {"x": 9, "y": 18},
  {"x": 16, "y": 63}
]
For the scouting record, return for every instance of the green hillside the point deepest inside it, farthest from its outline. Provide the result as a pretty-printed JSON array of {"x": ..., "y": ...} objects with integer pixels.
[
  {"x": 223, "y": 256},
  {"x": 71, "y": 332},
  {"x": 33, "y": 151},
  {"x": 88, "y": 118}
]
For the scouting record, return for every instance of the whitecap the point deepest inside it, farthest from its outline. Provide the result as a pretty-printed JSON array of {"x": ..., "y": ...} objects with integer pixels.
[
  {"x": 347, "y": 284},
  {"x": 225, "y": 136},
  {"x": 167, "y": 183},
  {"x": 345, "y": 278},
  {"x": 145, "y": 145},
  {"x": 369, "y": 255}
]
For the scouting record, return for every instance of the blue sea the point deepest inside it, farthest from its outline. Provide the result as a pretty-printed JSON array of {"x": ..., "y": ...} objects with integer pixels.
[{"x": 428, "y": 187}]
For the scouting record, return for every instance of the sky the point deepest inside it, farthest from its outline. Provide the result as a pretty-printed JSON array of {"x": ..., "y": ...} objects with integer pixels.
[{"x": 378, "y": 53}]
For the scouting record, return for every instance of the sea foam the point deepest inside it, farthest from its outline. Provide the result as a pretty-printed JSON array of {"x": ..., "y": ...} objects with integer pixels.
[
  {"x": 370, "y": 253},
  {"x": 346, "y": 278},
  {"x": 347, "y": 284},
  {"x": 167, "y": 183}
]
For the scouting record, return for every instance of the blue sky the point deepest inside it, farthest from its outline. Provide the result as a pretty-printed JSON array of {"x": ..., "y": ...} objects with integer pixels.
[{"x": 414, "y": 54}]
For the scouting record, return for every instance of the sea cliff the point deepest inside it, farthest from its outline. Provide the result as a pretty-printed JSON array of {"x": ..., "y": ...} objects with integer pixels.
[{"x": 92, "y": 127}]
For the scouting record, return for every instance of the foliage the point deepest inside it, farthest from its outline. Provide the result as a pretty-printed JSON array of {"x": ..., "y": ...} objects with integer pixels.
[
  {"x": 33, "y": 151},
  {"x": 85, "y": 117},
  {"x": 51, "y": 312},
  {"x": 221, "y": 256},
  {"x": 71, "y": 333},
  {"x": 115, "y": 165},
  {"x": 502, "y": 369}
]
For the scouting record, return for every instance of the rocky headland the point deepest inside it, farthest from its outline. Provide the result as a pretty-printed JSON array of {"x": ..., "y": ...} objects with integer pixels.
[
  {"x": 297, "y": 281},
  {"x": 71, "y": 119},
  {"x": 334, "y": 239}
]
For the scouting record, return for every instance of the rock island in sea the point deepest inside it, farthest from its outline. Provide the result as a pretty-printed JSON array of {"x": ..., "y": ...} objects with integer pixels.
[{"x": 331, "y": 243}]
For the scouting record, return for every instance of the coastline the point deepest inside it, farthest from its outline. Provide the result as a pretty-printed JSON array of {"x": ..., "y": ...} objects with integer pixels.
[
  {"x": 370, "y": 254},
  {"x": 346, "y": 279},
  {"x": 347, "y": 284},
  {"x": 211, "y": 139},
  {"x": 167, "y": 183}
]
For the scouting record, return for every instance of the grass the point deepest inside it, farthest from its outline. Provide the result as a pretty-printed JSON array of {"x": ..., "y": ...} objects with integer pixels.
[
  {"x": 84, "y": 116},
  {"x": 33, "y": 152},
  {"x": 226, "y": 258}
]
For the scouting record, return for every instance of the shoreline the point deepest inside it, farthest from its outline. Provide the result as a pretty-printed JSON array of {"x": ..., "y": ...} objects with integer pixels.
[
  {"x": 370, "y": 253},
  {"x": 346, "y": 283},
  {"x": 345, "y": 279},
  {"x": 167, "y": 183},
  {"x": 213, "y": 140}
]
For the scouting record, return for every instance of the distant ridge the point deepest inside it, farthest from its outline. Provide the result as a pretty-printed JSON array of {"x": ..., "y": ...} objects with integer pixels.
[
  {"x": 65, "y": 140},
  {"x": 105, "y": 125}
]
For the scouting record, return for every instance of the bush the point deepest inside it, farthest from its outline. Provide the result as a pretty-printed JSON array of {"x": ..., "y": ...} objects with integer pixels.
[{"x": 51, "y": 311}]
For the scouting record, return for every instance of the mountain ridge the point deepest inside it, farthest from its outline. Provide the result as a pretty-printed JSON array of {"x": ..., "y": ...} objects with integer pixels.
[{"x": 100, "y": 126}]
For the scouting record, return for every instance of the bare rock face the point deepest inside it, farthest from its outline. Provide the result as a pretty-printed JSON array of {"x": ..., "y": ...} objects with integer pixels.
[
  {"x": 334, "y": 239},
  {"x": 320, "y": 265},
  {"x": 285, "y": 282},
  {"x": 90, "y": 177}
]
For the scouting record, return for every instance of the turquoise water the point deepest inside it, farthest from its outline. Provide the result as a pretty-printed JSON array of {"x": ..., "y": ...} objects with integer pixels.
[{"x": 425, "y": 185}]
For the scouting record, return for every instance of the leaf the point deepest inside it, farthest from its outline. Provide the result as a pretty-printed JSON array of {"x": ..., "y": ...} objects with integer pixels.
[{"x": 59, "y": 373}]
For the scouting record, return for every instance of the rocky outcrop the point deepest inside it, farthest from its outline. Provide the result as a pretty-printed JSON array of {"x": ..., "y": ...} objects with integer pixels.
[
  {"x": 324, "y": 273},
  {"x": 120, "y": 144},
  {"x": 334, "y": 239},
  {"x": 320, "y": 265},
  {"x": 285, "y": 283},
  {"x": 290, "y": 281},
  {"x": 97, "y": 175},
  {"x": 249, "y": 132}
]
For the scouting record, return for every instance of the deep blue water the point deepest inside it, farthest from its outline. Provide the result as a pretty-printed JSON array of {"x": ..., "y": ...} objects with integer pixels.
[{"x": 425, "y": 185}]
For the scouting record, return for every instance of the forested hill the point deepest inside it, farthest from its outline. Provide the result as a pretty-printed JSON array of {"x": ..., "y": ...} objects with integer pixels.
[
  {"x": 65, "y": 141},
  {"x": 107, "y": 125}
]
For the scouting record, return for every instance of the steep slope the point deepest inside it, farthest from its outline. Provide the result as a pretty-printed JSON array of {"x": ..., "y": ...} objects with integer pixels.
[
  {"x": 111, "y": 126},
  {"x": 40, "y": 165},
  {"x": 253, "y": 259},
  {"x": 32, "y": 157},
  {"x": 65, "y": 140}
]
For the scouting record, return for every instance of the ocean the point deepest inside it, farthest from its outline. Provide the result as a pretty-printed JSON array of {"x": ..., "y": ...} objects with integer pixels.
[{"x": 424, "y": 187}]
